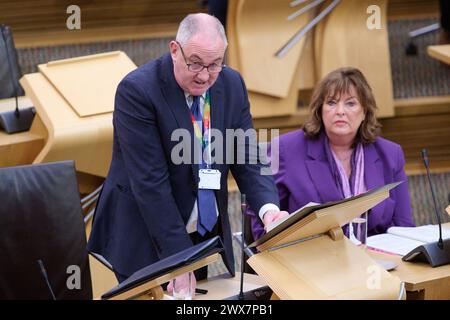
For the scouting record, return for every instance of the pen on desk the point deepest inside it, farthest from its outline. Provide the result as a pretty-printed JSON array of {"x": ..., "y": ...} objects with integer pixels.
[{"x": 201, "y": 291}]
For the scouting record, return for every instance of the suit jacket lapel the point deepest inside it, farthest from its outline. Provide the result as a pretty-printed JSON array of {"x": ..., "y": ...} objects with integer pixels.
[
  {"x": 319, "y": 170},
  {"x": 176, "y": 102},
  {"x": 217, "y": 108}
]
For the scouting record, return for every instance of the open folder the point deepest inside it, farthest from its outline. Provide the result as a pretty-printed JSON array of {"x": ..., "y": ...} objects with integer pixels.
[
  {"x": 181, "y": 259},
  {"x": 308, "y": 257},
  {"x": 307, "y": 210}
]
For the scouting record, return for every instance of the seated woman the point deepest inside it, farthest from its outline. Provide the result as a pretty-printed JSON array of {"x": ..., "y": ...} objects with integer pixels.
[{"x": 338, "y": 154}]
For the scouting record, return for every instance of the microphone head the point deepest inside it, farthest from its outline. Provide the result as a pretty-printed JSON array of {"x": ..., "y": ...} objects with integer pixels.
[
  {"x": 425, "y": 157},
  {"x": 41, "y": 266}
]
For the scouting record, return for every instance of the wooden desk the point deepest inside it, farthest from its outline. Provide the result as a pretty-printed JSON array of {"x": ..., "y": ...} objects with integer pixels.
[
  {"x": 441, "y": 52},
  {"x": 23, "y": 147},
  {"x": 422, "y": 282}
]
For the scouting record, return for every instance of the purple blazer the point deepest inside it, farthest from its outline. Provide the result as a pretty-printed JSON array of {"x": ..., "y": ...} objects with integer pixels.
[{"x": 305, "y": 176}]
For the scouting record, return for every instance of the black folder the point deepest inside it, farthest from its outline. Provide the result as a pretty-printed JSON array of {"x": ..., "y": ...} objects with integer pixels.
[{"x": 169, "y": 264}]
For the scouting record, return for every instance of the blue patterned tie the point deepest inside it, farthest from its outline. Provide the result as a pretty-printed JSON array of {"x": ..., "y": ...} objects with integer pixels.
[{"x": 205, "y": 198}]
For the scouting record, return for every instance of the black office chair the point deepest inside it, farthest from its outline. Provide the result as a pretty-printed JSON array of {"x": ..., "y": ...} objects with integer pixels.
[{"x": 41, "y": 219}]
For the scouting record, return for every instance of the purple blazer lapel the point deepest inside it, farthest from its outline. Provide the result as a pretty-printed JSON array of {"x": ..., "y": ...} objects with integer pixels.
[
  {"x": 374, "y": 178},
  {"x": 319, "y": 170},
  {"x": 373, "y": 168}
]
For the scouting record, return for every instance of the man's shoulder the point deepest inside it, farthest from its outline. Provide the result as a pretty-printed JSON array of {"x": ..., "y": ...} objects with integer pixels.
[
  {"x": 146, "y": 73},
  {"x": 230, "y": 74}
]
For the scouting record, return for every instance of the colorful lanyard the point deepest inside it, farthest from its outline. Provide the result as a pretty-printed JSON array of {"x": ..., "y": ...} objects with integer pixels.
[{"x": 203, "y": 135}]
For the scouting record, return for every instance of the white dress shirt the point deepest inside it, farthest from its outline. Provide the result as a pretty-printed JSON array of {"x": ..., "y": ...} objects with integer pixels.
[{"x": 191, "y": 225}]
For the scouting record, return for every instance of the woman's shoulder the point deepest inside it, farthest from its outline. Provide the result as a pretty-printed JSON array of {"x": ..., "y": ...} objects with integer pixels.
[
  {"x": 386, "y": 145},
  {"x": 293, "y": 137}
]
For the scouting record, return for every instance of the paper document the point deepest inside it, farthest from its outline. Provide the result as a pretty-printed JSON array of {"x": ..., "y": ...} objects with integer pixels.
[
  {"x": 278, "y": 222},
  {"x": 401, "y": 240},
  {"x": 393, "y": 244}
]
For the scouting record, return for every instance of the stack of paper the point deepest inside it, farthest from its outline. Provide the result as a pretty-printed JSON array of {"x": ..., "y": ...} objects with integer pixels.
[{"x": 401, "y": 240}]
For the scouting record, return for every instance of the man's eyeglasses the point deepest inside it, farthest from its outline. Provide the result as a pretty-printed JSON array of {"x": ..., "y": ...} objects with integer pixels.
[{"x": 198, "y": 67}]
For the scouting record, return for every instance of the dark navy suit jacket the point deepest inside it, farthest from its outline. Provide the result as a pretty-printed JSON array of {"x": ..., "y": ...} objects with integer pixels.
[{"x": 147, "y": 199}]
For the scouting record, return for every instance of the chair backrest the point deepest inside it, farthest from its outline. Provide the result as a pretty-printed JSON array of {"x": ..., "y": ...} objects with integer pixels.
[
  {"x": 10, "y": 72},
  {"x": 41, "y": 219}
]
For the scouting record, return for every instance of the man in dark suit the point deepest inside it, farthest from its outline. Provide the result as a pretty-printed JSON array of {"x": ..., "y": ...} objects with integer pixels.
[{"x": 151, "y": 205}]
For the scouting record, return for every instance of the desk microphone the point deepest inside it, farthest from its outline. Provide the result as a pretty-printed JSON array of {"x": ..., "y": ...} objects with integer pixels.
[
  {"x": 426, "y": 162},
  {"x": 435, "y": 253},
  {"x": 44, "y": 275},
  {"x": 14, "y": 121}
]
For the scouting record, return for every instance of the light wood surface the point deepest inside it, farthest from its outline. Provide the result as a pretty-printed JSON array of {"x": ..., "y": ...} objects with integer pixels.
[
  {"x": 43, "y": 23},
  {"x": 306, "y": 72},
  {"x": 441, "y": 52},
  {"x": 261, "y": 105},
  {"x": 421, "y": 280},
  {"x": 347, "y": 42},
  {"x": 21, "y": 148},
  {"x": 312, "y": 260},
  {"x": 233, "y": 48},
  {"x": 86, "y": 140},
  {"x": 261, "y": 30},
  {"x": 321, "y": 268},
  {"x": 89, "y": 83}
]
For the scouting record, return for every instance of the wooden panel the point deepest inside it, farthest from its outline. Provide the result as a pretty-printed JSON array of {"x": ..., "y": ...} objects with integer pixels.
[
  {"x": 262, "y": 29},
  {"x": 321, "y": 268},
  {"x": 412, "y": 8},
  {"x": 233, "y": 49},
  {"x": 21, "y": 148},
  {"x": 414, "y": 133},
  {"x": 441, "y": 52},
  {"x": 88, "y": 140},
  {"x": 262, "y": 105},
  {"x": 347, "y": 42},
  {"x": 44, "y": 22},
  {"x": 89, "y": 83}
]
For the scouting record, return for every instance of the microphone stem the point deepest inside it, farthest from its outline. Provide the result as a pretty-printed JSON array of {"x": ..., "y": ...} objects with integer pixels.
[
  {"x": 433, "y": 195},
  {"x": 243, "y": 209},
  {"x": 440, "y": 243}
]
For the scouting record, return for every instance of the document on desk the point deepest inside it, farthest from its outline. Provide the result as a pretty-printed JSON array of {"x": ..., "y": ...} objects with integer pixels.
[
  {"x": 299, "y": 211},
  {"x": 401, "y": 240}
]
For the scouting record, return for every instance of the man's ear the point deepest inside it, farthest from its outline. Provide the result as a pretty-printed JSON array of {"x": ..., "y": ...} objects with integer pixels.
[{"x": 173, "y": 47}]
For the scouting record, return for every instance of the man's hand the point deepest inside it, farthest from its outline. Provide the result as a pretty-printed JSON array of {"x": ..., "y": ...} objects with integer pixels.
[
  {"x": 182, "y": 286},
  {"x": 272, "y": 215}
]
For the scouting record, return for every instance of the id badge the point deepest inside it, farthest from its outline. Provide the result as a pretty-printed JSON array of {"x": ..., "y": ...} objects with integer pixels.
[{"x": 209, "y": 179}]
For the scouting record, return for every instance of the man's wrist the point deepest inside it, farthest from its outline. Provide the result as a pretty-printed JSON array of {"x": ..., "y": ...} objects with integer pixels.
[{"x": 267, "y": 207}]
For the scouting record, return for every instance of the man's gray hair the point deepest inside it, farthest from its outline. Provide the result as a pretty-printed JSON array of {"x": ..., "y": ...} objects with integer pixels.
[{"x": 192, "y": 24}]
